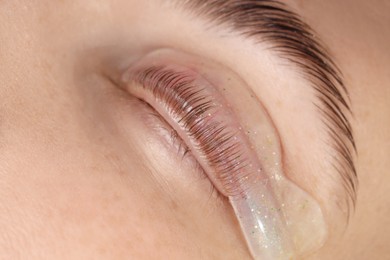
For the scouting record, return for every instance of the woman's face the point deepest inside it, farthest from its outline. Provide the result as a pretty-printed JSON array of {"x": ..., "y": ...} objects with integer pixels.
[{"x": 94, "y": 165}]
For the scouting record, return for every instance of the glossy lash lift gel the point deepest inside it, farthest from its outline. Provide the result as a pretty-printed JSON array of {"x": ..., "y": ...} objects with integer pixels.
[{"x": 241, "y": 157}]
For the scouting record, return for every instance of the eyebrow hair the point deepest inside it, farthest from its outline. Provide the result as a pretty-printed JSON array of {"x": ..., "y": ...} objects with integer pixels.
[{"x": 292, "y": 39}]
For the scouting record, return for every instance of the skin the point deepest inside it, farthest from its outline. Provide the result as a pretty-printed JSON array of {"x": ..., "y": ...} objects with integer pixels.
[{"x": 81, "y": 177}]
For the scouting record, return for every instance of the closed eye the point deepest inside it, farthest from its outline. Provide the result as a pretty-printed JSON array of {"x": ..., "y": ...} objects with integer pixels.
[{"x": 243, "y": 166}]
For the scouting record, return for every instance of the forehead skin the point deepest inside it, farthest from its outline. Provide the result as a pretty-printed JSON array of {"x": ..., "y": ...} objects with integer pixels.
[{"x": 65, "y": 154}]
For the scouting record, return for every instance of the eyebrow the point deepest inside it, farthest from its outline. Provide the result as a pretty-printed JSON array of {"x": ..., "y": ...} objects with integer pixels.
[{"x": 292, "y": 39}]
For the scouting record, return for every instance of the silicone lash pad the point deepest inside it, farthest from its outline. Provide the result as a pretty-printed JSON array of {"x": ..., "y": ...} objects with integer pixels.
[{"x": 277, "y": 218}]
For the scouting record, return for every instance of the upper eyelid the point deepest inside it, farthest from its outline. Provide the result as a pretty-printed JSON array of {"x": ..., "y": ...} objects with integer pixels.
[{"x": 294, "y": 40}]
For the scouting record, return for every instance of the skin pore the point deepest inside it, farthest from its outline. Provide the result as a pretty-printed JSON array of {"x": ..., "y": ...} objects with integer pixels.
[{"x": 82, "y": 177}]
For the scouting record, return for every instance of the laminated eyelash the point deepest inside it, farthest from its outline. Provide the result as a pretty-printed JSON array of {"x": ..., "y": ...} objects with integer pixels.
[
  {"x": 196, "y": 111},
  {"x": 266, "y": 204}
]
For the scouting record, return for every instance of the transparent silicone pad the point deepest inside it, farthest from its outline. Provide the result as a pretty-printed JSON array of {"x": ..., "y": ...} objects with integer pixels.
[
  {"x": 293, "y": 228},
  {"x": 278, "y": 219}
]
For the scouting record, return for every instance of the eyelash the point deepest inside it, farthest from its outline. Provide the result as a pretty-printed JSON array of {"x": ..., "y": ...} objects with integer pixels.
[{"x": 193, "y": 110}]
